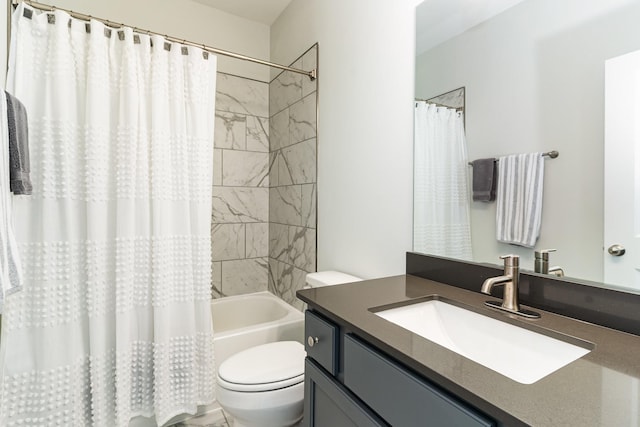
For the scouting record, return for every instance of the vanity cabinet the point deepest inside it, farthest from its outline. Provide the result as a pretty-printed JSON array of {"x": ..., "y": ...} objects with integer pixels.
[{"x": 349, "y": 382}]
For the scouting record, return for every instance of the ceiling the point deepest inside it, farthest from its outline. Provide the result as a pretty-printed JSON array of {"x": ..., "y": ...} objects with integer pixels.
[
  {"x": 436, "y": 20},
  {"x": 263, "y": 11},
  {"x": 440, "y": 20}
]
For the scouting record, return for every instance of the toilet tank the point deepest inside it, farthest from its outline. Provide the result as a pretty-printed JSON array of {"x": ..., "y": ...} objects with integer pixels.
[{"x": 329, "y": 278}]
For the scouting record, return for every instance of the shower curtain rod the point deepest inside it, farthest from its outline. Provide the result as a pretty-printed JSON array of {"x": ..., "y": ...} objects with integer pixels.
[
  {"x": 439, "y": 105},
  {"x": 41, "y": 6}
]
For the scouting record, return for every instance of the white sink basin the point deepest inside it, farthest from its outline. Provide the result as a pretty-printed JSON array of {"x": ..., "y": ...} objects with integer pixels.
[{"x": 515, "y": 352}]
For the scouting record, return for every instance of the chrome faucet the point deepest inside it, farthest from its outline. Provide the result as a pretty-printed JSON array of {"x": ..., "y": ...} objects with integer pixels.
[
  {"x": 510, "y": 280},
  {"x": 541, "y": 264}
]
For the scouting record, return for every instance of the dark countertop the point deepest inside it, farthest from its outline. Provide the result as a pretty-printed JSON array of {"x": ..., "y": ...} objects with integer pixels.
[{"x": 600, "y": 389}]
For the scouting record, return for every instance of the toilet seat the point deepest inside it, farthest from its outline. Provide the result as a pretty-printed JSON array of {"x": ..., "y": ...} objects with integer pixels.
[
  {"x": 265, "y": 367},
  {"x": 260, "y": 387}
]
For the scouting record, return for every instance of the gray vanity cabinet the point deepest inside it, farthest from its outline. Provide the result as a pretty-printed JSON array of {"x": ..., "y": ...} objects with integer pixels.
[{"x": 349, "y": 382}]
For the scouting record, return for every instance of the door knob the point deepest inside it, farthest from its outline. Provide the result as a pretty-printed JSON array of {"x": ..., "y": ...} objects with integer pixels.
[
  {"x": 312, "y": 341},
  {"x": 616, "y": 250}
]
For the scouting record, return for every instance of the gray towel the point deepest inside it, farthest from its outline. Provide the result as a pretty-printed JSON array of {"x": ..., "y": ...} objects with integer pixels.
[
  {"x": 484, "y": 180},
  {"x": 19, "y": 169}
]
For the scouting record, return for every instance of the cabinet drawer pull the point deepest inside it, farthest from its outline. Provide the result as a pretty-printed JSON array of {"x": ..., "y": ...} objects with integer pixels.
[{"x": 312, "y": 341}]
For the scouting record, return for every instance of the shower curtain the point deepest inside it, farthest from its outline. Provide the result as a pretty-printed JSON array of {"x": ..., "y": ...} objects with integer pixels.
[
  {"x": 441, "y": 195},
  {"x": 114, "y": 319}
]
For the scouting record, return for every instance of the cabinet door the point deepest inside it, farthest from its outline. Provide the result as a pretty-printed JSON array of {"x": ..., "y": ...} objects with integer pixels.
[
  {"x": 402, "y": 398},
  {"x": 321, "y": 342},
  {"x": 328, "y": 404}
]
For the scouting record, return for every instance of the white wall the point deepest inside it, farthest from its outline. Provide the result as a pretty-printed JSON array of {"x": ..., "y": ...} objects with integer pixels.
[
  {"x": 534, "y": 79},
  {"x": 365, "y": 129},
  {"x": 188, "y": 20}
]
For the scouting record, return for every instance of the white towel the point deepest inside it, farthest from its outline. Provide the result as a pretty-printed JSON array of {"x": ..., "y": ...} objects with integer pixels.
[{"x": 519, "y": 199}]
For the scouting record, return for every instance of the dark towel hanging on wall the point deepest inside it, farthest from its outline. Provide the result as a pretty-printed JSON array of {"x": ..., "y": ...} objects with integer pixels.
[
  {"x": 484, "y": 180},
  {"x": 19, "y": 169}
]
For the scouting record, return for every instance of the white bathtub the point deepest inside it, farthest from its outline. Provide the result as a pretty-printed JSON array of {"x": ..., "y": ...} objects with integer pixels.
[{"x": 244, "y": 321}]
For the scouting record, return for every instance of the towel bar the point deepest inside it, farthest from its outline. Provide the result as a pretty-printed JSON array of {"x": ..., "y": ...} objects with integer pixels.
[{"x": 551, "y": 154}]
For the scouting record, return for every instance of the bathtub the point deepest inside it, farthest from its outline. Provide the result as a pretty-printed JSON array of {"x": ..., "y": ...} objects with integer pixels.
[{"x": 244, "y": 321}]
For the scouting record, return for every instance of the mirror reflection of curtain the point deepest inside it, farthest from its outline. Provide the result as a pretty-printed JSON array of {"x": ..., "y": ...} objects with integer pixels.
[{"x": 441, "y": 200}]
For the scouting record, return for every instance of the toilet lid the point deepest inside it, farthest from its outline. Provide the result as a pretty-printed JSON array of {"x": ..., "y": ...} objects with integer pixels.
[{"x": 264, "y": 367}]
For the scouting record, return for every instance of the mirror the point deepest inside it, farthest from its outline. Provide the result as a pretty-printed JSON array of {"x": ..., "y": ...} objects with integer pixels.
[{"x": 534, "y": 74}]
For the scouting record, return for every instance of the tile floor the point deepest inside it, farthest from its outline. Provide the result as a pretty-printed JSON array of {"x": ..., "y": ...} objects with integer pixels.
[{"x": 213, "y": 419}]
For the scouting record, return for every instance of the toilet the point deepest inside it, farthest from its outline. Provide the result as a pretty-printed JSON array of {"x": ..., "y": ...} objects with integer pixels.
[{"x": 263, "y": 386}]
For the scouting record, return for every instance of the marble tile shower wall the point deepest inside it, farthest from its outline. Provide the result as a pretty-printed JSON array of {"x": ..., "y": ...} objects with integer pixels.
[
  {"x": 264, "y": 190},
  {"x": 240, "y": 226},
  {"x": 292, "y": 179}
]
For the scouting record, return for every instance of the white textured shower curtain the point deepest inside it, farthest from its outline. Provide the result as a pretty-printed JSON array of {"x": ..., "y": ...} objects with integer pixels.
[
  {"x": 114, "y": 320},
  {"x": 441, "y": 224}
]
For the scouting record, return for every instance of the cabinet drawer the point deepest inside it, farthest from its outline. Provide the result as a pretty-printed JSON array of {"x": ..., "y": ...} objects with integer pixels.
[
  {"x": 328, "y": 403},
  {"x": 400, "y": 397},
  {"x": 321, "y": 341}
]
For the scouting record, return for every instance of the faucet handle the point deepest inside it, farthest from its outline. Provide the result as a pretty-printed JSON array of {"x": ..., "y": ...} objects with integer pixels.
[
  {"x": 511, "y": 260},
  {"x": 543, "y": 254}
]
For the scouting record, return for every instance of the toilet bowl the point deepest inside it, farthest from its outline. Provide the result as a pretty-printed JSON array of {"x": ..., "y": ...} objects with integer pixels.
[{"x": 263, "y": 386}]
